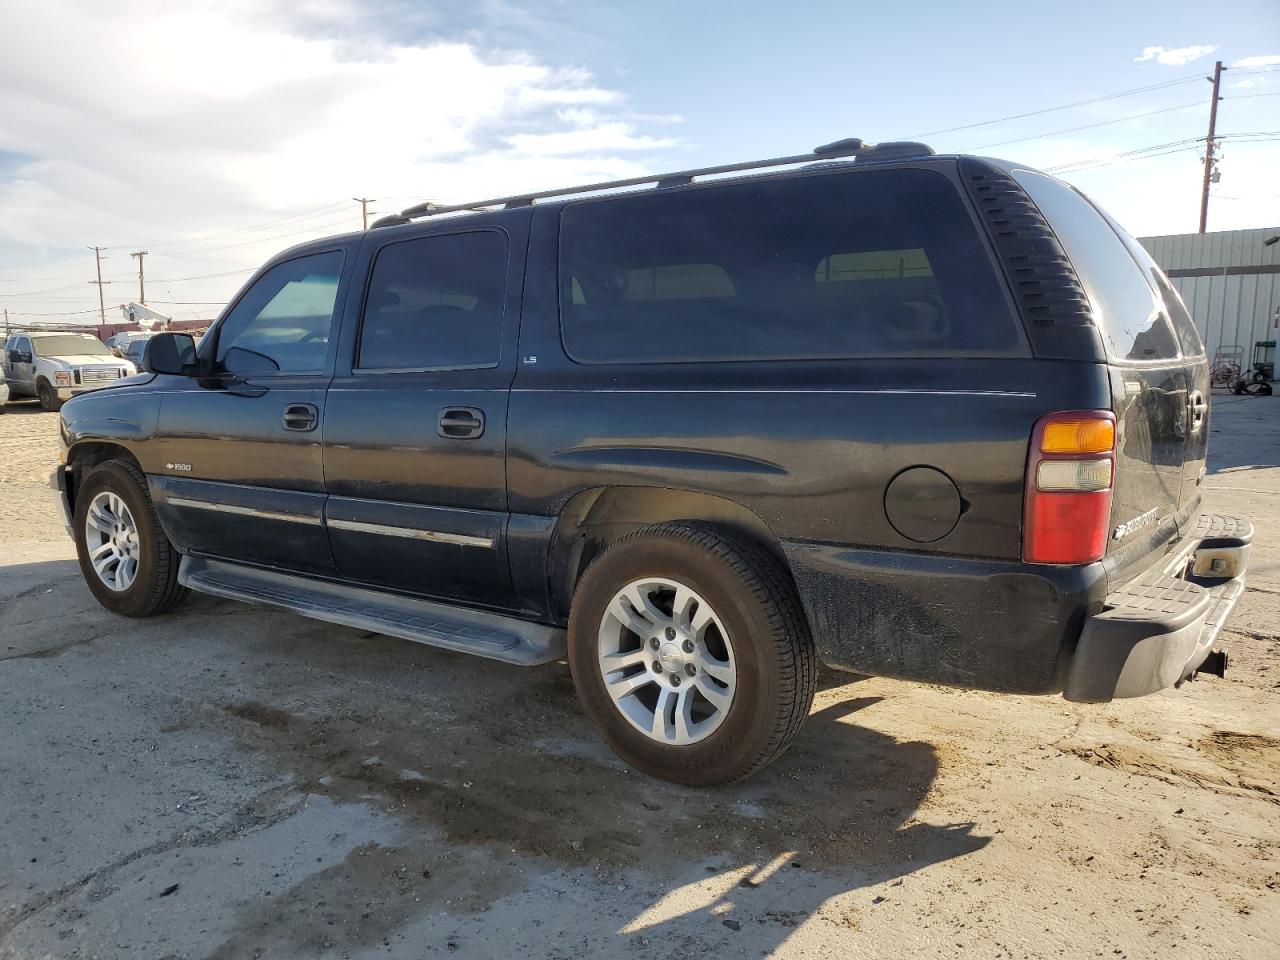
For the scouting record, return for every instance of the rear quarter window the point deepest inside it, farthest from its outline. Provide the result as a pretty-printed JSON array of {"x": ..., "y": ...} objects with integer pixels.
[
  {"x": 1129, "y": 314},
  {"x": 827, "y": 266}
]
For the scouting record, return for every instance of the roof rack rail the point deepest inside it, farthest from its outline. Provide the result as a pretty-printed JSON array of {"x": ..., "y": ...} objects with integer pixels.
[{"x": 849, "y": 147}]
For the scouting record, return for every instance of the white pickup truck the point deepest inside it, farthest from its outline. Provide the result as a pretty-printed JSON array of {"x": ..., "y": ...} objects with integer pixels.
[{"x": 54, "y": 367}]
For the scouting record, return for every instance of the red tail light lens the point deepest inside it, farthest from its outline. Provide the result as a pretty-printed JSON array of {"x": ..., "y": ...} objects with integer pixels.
[{"x": 1070, "y": 475}]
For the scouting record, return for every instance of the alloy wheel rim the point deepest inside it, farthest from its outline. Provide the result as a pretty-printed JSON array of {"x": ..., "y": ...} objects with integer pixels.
[
  {"x": 667, "y": 661},
  {"x": 111, "y": 537}
]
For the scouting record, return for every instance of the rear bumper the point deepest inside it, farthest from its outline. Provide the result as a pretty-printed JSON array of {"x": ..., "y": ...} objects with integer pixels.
[
  {"x": 1159, "y": 629},
  {"x": 980, "y": 624},
  {"x": 1025, "y": 628}
]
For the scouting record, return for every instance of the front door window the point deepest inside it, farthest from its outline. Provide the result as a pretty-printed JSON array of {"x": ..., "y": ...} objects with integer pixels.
[{"x": 284, "y": 323}]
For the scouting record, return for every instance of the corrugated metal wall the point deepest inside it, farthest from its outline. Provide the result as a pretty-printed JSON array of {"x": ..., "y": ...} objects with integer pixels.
[{"x": 1235, "y": 291}]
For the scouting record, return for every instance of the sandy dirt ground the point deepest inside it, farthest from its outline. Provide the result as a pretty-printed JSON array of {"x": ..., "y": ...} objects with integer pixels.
[{"x": 230, "y": 782}]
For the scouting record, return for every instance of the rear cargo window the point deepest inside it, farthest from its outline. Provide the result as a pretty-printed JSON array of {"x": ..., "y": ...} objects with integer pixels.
[
  {"x": 856, "y": 264},
  {"x": 1129, "y": 315}
]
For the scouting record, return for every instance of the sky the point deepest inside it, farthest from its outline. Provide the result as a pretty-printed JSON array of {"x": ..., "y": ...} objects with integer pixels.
[{"x": 213, "y": 134}]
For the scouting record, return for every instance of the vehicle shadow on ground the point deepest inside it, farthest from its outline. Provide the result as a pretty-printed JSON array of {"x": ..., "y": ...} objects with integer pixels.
[
  {"x": 506, "y": 771},
  {"x": 856, "y": 828},
  {"x": 497, "y": 776},
  {"x": 24, "y": 407}
]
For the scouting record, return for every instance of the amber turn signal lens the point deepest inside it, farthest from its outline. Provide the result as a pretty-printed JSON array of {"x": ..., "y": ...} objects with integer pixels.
[{"x": 1078, "y": 436}]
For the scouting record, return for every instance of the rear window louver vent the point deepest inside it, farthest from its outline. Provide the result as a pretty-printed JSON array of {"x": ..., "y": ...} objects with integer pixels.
[{"x": 1047, "y": 288}]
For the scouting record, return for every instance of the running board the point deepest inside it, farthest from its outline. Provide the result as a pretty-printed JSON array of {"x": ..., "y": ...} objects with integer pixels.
[{"x": 435, "y": 624}]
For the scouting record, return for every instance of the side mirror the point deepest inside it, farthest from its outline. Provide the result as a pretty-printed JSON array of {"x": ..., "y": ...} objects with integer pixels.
[{"x": 173, "y": 353}]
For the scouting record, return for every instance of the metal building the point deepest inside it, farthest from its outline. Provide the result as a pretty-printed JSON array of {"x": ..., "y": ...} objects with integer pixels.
[{"x": 1230, "y": 281}]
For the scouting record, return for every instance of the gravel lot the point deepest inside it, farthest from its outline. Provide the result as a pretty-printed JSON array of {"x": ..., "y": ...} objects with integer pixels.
[{"x": 231, "y": 782}]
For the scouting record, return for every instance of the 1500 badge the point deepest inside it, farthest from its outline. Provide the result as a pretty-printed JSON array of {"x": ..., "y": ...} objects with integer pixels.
[
  {"x": 179, "y": 467},
  {"x": 1137, "y": 523}
]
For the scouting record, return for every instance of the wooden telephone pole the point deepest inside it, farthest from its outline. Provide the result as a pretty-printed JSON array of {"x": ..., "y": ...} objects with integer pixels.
[
  {"x": 142, "y": 290},
  {"x": 364, "y": 209},
  {"x": 102, "y": 307},
  {"x": 1209, "y": 145}
]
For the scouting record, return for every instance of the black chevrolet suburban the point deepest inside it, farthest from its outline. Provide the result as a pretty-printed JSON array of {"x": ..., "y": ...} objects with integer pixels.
[{"x": 929, "y": 417}]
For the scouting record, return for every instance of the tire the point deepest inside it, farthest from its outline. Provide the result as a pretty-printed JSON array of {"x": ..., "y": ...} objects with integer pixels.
[
  {"x": 49, "y": 401},
  {"x": 153, "y": 587},
  {"x": 766, "y": 644}
]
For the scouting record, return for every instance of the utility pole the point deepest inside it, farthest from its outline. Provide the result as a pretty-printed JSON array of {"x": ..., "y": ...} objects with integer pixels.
[
  {"x": 142, "y": 290},
  {"x": 1210, "y": 145},
  {"x": 364, "y": 209},
  {"x": 102, "y": 307}
]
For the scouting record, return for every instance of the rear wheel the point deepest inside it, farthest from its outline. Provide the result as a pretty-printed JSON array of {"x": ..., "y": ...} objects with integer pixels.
[
  {"x": 48, "y": 397},
  {"x": 128, "y": 563},
  {"x": 689, "y": 650}
]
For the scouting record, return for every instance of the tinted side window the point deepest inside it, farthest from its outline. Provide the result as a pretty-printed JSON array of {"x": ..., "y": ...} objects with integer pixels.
[
  {"x": 1179, "y": 316},
  {"x": 1126, "y": 309},
  {"x": 284, "y": 321},
  {"x": 436, "y": 303},
  {"x": 850, "y": 264}
]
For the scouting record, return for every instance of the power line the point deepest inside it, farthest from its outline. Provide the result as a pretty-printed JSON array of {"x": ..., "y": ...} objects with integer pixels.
[
  {"x": 303, "y": 215},
  {"x": 1160, "y": 150},
  {"x": 1065, "y": 106},
  {"x": 55, "y": 313},
  {"x": 281, "y": 236},
  {"x": 1178, "y": 144},
  {"x": 1087, "y": 126},
  {"x": 208, "y": 276}
]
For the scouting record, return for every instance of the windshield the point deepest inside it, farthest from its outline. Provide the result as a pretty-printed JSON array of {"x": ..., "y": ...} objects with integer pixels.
[{"x": 73, "y": 344}]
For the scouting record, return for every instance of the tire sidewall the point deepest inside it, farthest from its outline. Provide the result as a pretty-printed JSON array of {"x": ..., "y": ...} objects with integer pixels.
[
  {"x": 118, "y": 480},
  {"x": 732, "y": 744},
  {"x": 45, "y": 394}
]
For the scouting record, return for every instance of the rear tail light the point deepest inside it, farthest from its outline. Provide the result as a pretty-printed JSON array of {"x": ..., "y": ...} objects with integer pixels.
[{"x": 1070, "y": 475}]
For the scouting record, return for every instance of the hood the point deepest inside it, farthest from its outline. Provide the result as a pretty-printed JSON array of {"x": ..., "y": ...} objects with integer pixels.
[{"x": 89, "y": 360}]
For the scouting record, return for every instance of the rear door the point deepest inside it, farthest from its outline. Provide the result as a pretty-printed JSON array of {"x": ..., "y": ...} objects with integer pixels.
[
  {"x": 416, "y": 419},
  {"x": 1153, "y": 383},
  {"x": 1195, "y": 367}
]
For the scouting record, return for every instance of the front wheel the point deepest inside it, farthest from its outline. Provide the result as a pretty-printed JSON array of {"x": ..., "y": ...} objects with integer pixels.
[
  {"x": 128, "y": 563},
  {"x": 48, "y": 397},
  {"x": 689, "y": 649}
]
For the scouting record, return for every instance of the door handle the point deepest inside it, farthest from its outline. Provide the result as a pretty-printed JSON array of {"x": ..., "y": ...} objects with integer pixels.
[
  {"x": 1199, "y": 407},
  {"x": 301, "y": 416},
  {"x": 461, "y": 423}
]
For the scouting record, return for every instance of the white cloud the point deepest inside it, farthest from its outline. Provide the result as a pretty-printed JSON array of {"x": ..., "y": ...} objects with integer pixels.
[
  {"x": 1175, "y": 56},
  {"x": 1270, "y": 60},
  {"x": 147, "y": 123}
]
